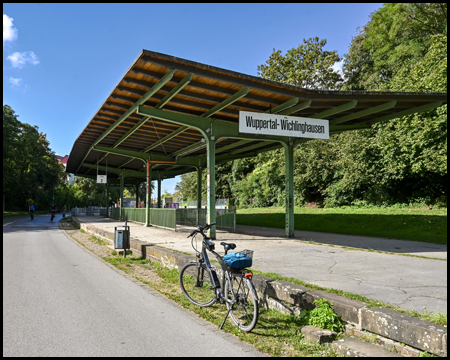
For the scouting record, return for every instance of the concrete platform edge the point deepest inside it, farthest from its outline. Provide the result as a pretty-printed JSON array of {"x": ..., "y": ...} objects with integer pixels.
[{"x": 288, "y": 297}]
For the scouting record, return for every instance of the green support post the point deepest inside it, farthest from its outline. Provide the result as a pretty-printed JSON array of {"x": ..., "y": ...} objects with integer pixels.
[
  {"x": 211, "y": 185},
  {"x": 148, "y": 195},
  {"x": 289, "y": 156},
  {"x": 199, "y": 192},
  {"x": 137, "y": 193},
  {"x": 121, "y": 195},
  {"x": 107, "y": 198}
]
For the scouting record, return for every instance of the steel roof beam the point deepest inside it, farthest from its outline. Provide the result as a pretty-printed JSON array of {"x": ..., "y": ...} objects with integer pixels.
[
  {"x": 166, "y": 138},
  {"x": 366, "y": 112},
  {"x": 240, "y": 94},
  {"x": 335, "y": 110},
  {"x": 283, "y": 106},
  {"x": 203, "y": 86},
  {"x": 296, "y": 108},
  {"x": 221, "y": 129},
  {"x": 368, "y": 123},
  {"x": 171, "y": 94},
  {"x": 122, "y": 106},
  {"x": 180, "y": 86},
  {"x": 132, "y": 109},
  {"x": 231, "y": 146}
]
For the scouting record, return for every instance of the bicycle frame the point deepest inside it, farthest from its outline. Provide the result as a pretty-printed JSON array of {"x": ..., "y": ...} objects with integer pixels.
[
  {"x": 219, "y": 287},
  {"x": 224, "y": 291}
]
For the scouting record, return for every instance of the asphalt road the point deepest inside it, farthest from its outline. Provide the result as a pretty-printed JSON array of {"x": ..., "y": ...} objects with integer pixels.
[{"x": 60, "y": 300}]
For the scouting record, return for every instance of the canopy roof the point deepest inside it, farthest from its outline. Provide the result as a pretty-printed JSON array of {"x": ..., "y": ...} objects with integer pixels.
[{"x": 161, "y": 107}]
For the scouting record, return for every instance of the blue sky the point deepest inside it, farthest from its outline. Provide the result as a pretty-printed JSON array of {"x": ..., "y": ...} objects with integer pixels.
[{"x": 61, "y": 61}]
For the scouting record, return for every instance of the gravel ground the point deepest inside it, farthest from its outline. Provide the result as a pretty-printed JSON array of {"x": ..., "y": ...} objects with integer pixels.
[{"x": 102, "y": 251}]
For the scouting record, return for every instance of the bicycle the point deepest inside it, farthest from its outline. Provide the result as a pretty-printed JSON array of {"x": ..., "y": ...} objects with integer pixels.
[{"x": 200, "y": 284}]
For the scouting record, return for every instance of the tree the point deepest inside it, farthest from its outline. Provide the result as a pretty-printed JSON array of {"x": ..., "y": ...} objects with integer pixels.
[
  {"x": 398, "y": 33},
  {"x": 307, "y": 66},
  {"x": 31, "y": 171}
]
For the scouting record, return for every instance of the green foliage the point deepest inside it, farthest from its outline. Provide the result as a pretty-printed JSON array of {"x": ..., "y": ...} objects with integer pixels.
[
  {"x": 187, "y": 187},
  {"x": 323, "y": 316},
  {"x": 307, "y": 66},
  {"x": 86, "y": 192},
  {"x": 401, "y": 161},
  {"x": 264, "y": 186},
  {"x": 30, "y": 168},
  {"x": 397, "y": 34}
]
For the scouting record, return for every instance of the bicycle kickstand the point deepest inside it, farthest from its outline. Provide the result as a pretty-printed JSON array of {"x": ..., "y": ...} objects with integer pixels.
[{"x": 223, "y": 322}]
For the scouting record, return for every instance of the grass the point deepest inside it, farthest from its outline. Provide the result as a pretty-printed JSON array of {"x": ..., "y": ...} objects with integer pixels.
[
  {"x": 276, "y": 334},
  {"x": 425, "y": 225},
  {"x": 435, "y": 317}
]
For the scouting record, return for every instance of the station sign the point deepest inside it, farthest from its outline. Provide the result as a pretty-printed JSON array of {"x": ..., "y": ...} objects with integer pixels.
[
  {"x": 282, "y": 125},
  {"x": 102, "y": 179}
]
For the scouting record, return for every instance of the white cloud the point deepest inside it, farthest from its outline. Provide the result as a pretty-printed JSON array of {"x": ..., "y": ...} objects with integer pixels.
[
  {"x": 9, "y": 31},
  {"x": 337, "y": 67},
  {"x": 14, "y": 82},
  {"x": 18, "y": 60}
]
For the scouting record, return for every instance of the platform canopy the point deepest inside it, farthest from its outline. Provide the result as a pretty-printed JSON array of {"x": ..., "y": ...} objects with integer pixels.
[{"x": 180, "y": 115}]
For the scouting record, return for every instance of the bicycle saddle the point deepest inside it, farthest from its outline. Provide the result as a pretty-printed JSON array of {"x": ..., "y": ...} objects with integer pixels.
[{"x": 229, "y": 246}]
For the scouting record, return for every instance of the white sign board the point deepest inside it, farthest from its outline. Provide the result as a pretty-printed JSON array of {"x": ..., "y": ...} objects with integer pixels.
[
  {"x": 101, "y": 179},
  {"x": 282, "y": 125}
]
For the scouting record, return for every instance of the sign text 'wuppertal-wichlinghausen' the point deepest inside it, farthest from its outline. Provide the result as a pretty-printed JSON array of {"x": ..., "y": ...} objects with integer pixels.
[{"x": 273, "y": 124}]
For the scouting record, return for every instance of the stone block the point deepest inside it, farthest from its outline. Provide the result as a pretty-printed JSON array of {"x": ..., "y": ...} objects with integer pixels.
[
  {"x": 286, "y": 291},
  {"x": 278, "y": 305},
  {"x": 404, "y": 328},
  {"x": 168, "y": 258},
  {"x": 347, "y": 309},
  {"x": 352, "y": 347},
  {"x": 260, "y": 282},
  {"x": 317, "y": 335}
]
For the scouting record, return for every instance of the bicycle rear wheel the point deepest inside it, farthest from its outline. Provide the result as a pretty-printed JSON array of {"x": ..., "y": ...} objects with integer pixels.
[
  {"x": 244, "y": 311},
  {"x": 195, "y": 282}
]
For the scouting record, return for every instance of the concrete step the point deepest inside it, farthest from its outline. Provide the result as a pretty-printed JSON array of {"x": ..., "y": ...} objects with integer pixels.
[{"x": 353, "y": 347}]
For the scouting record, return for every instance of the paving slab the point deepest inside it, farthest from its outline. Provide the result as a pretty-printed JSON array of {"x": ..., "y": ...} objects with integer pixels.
[
  {"x": 411, "y": 283},
  {"x": 352, "y": 347}
]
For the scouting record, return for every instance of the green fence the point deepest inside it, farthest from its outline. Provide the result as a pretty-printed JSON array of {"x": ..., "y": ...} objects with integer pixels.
[
  {"x": 225, "y": 218},
  {"x": 134, "y": 214},
  {"x": 171, "y": 218},
  {"x": 158, "y": 217},
  {"x": 165, "y": 218}
]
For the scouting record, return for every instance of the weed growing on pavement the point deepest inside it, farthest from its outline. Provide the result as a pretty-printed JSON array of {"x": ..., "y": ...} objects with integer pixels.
[
  {"x": 436, "y": 317},
  {"x": 425, "y": 354},
  {"x": 98, "y": 241},
  {"x": 323, "y": 316}
]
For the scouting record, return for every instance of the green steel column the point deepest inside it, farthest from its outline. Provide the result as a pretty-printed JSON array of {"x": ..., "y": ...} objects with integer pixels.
[
  {"x": 148, "y": 195},
  {"x": 137, "y": 193},
  {"x": 211, "y": 185},
  {"x": 199, "y": 192},
  {"x": 121, "y": 195},
  {"x": 107, "y": 199},
  {"x": 289, "y": 156},
  {"x": 159, "y": 191}
]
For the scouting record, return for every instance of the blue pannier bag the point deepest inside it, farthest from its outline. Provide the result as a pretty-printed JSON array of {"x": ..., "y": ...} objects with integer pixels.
[{"x": 237, "y": 260}]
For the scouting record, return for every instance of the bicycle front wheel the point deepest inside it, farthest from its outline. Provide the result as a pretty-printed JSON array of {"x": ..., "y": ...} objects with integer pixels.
[
  {"x": 195, "y": 282},
  {"x": 244, "y": 310}
]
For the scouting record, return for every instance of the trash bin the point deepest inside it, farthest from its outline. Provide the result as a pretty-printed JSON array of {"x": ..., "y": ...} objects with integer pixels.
[{"x": 122, "y": 237}]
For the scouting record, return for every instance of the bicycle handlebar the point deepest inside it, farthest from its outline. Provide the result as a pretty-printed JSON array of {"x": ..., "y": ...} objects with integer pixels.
[{"x": 200, "y": 229}]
